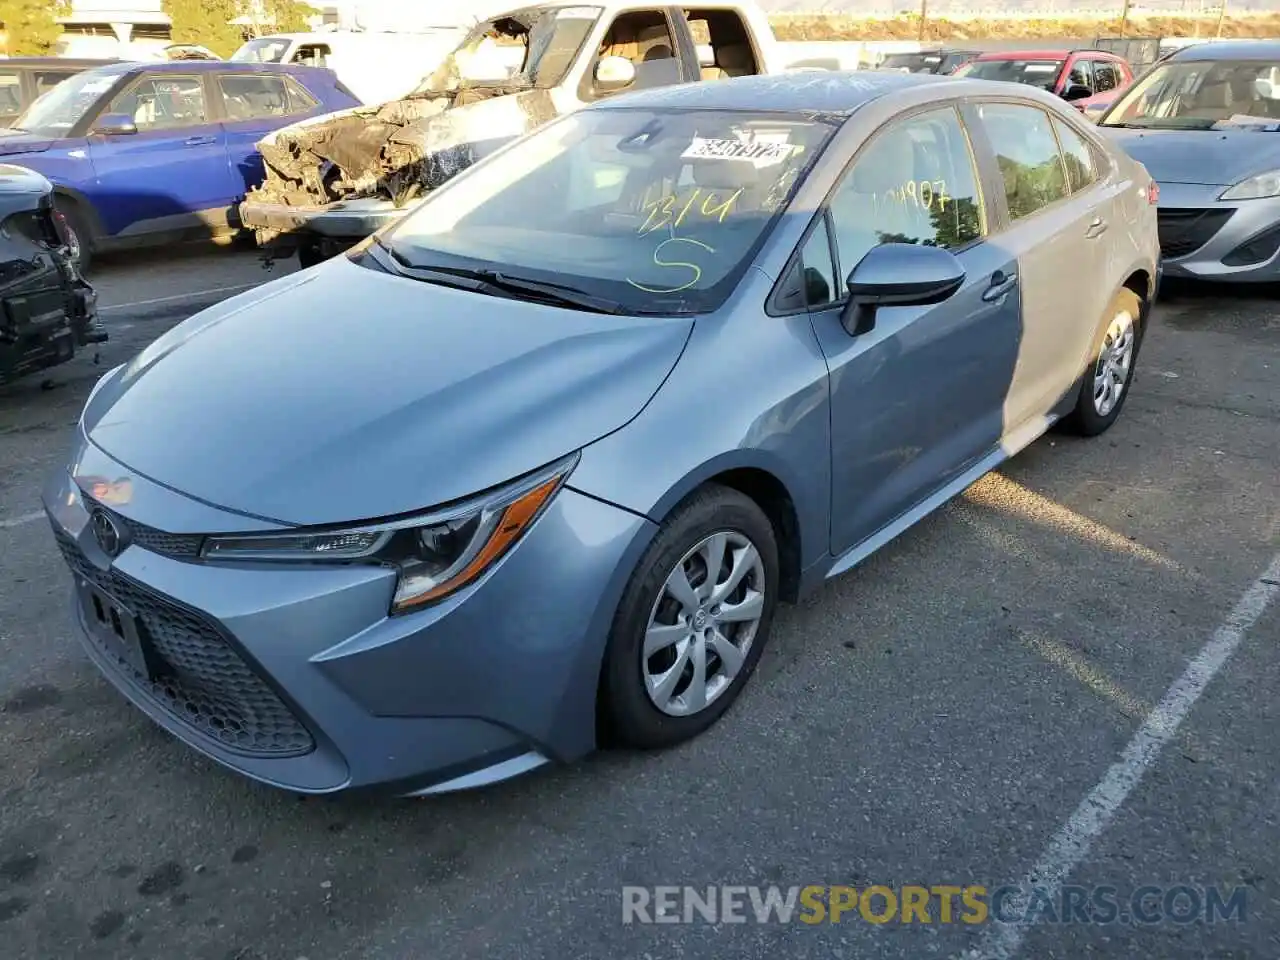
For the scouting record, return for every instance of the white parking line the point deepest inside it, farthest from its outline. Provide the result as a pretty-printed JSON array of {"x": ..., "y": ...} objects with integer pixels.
[
  {"x": 191, "y": 295},
  {"x": 22, "y": 520},
  {"x": 1068, "y": 847}
]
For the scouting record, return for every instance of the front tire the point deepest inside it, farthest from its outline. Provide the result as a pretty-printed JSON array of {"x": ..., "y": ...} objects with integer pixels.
[
  {"x": 1109, "y": 378},
  {"x": 310, "y": 254},
  {"x": 693, "y": 621}
]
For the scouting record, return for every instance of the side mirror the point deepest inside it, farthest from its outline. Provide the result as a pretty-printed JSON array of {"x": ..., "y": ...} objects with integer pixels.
[
  {"x": 614, "y": 73},
  {"x": 1076, "y": 91},
  {"x": 899, "y": 275},
  {"x": 115, "y": 125}
]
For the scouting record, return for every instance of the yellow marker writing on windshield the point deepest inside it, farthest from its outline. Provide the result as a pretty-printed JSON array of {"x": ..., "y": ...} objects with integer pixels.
[
  {"x": 662, "y": 212},
  {"x": 679, "y": 264}
]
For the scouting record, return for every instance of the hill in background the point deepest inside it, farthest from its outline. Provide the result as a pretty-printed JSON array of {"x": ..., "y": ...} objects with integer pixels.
[{"x": 938, "y": 27}]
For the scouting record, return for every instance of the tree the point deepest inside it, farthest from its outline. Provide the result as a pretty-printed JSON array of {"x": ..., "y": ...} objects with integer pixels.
[
  {"x": 31, "y": 26},
  {"x": 205, "y": 22},
  {"x": 287, "y": 16}
]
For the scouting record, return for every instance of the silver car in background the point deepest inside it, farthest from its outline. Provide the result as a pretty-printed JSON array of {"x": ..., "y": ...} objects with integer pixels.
[{"x": 1206, "y": 124}]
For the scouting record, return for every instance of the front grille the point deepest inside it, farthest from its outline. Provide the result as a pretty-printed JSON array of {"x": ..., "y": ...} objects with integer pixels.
[
  {"x": 178, "y": 546},
  {"x": 203, "y": 682},
  {"x": 1186, "y": 230}
]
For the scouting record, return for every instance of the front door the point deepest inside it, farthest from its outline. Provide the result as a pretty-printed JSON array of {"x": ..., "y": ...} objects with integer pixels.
[
  {"x": 170, "y": 175},
  {"x": 1057, "y": 234},
  {"x": 919, "y": 399}
]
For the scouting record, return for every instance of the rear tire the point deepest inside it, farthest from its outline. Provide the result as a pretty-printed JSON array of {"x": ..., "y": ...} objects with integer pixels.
[
  {"x": 1113, "y": 363},
  {"x": 674, "y": 666}
]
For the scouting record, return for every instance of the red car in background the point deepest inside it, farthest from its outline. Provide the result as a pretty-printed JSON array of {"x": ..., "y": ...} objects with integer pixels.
[{"x": 1074, "y": 75}]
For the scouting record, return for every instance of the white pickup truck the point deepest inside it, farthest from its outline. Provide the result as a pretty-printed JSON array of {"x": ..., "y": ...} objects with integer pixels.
[{"x": 333, "y": 180}]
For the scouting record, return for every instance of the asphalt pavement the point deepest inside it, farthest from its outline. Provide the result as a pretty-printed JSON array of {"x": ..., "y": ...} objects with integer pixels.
[{"x": 1065, "y": 678}]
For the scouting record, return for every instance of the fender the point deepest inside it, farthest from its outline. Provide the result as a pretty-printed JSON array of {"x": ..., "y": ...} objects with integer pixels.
[{"x": 83, "y": 204}]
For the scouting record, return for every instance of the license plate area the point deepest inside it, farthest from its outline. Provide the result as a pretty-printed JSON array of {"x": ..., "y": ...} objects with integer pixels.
[{"x": 116, "y": 627}]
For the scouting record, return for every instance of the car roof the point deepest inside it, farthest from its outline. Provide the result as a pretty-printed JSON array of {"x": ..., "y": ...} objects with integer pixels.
[
  {"x": 123, "y": 67},
  {"x": 1059, "y": 54},
  {"x": 80, "y": 63},
  {"x": 1229, "y": 50},
  {"x": 830, "y": 92}
]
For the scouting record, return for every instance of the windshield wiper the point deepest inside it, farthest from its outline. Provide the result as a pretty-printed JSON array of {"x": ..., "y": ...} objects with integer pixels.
[{"x": 486, "y": 280}]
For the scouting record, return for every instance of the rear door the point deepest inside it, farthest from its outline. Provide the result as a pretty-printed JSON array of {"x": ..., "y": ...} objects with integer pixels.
[
  {"x": 1052, "y": 222},
  {"x": 252, "y": 105},
  {"x": 170, "y": 175}
]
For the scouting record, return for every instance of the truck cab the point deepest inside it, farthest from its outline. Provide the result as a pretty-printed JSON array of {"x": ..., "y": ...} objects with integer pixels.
[{"x": 332, "y": 181}]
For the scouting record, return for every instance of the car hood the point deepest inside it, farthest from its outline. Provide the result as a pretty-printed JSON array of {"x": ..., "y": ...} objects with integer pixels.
[
  {"x": 344, "y": 394},
  {"x": 14, "y": 142},
  {"x": 397, "y": 150},
  {"x": 1212, "y": 157}
]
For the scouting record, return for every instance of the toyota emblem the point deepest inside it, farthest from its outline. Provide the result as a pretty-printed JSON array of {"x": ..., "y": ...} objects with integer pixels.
[{"x": 106, "y": 532}]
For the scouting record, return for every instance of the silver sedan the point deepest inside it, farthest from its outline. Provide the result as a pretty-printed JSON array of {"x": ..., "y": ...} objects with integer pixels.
[{"x": 1206, "y": 124}]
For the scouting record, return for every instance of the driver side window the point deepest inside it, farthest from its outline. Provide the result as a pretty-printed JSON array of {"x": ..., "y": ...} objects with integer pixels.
[
  {"x": 915, "y": 182},
  {"x": 161, "y": 103},
  {"x": 644, "y": 38}
]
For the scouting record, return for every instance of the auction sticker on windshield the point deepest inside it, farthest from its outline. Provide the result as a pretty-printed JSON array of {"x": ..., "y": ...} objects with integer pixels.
[
  {"x": 578, "y": 13},
  {"x": 764, "y": 154}
]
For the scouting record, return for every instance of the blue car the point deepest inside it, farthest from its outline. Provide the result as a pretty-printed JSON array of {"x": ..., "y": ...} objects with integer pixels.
[
  {"x": 143, "y": 154},
  {"x": 536, "y": 465}
]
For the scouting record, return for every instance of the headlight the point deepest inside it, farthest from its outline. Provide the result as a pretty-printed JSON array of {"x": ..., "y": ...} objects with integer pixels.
[
  {"x": 1255, "y": 188},
  {"x": 436, "y": 554}
]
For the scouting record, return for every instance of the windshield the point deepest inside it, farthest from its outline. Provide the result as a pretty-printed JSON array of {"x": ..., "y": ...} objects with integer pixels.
[
  {"x": 658, "y": 211},
  {"x": 1202, "y": 95},
  {"x": 1036, "y": 73},
  {"x": 56, "y": 111},
  {"x": 534, "y": 47},
  {"x": 912, "y": 62},
  {"x": 262, "y": 50}
]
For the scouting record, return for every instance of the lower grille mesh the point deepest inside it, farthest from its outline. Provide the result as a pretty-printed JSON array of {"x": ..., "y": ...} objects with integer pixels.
[{"x": 205, "y": 683}]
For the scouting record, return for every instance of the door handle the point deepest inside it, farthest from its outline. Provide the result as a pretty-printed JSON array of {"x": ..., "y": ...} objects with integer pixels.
[
  {"x": 198, "y": 141},
  {"x": 1096, "y": 229},
  {"x": 1001, "y": 283}
]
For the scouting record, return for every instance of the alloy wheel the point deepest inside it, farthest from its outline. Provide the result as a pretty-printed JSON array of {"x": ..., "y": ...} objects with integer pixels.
[
  {"x": 703, "y": 624},
  {"x": 1115, "y": 363}
]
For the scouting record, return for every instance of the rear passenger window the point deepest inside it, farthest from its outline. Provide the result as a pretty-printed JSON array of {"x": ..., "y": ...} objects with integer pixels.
[
  {"x": 914, "y": 183},
  {"x": 262, "y": 96},
  {"x": 313, "y": 55},
  {"x": 300, "y": 101},
  {"x": 1027, "y": 153},
  {"x": 1078, "y": 156}
]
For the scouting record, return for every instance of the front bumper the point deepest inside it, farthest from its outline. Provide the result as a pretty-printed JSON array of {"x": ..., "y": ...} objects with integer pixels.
[
  {"x": 296, "y": 677},
  {"x": 1202, "y": 237},
  {"x": 42, "y": 328},
  {"x": 342, "y": 220}
]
